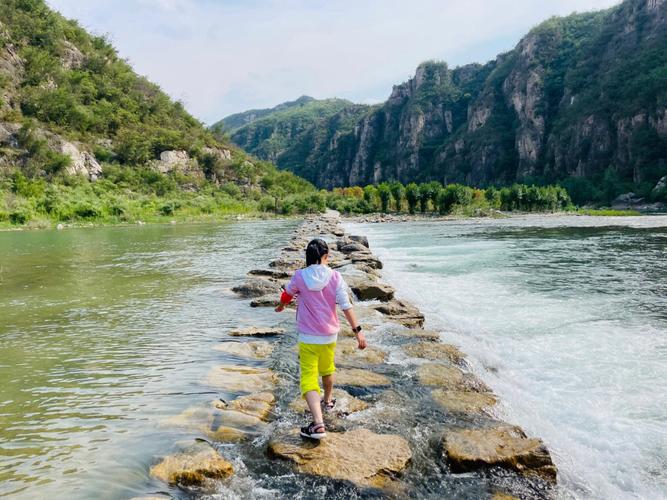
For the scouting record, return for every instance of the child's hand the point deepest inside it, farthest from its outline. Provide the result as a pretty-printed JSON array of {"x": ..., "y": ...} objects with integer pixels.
[
  {"x": 280, "y": 308},
  {"x": 361, "y": 339}
]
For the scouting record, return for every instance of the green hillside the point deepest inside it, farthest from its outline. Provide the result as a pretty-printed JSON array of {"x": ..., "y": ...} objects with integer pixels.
[{"x": 83, "y": 137}]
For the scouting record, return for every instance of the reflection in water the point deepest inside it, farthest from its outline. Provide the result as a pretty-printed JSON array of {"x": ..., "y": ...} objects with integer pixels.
[{"x": 105, "y": 332}]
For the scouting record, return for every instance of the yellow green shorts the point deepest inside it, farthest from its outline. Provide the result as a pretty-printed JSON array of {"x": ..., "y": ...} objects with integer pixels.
[{"x": 315, "y": 360}]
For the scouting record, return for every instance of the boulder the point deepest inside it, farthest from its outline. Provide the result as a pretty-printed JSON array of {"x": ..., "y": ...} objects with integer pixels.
[
  {"x": 257, "y": 350},
  {"x": 359, "y": 455},
  {"x": 463, "y": 401},
  {"x": 371, "y": 290},
  {"x": 195, "y": 466},
  {"x": 357, "y": 377},
  {"x": 287, "y": 264},
  {"x": 440, "y": 375},
  {"x": 255, "y": 331},
  {"x": 402, "y": 312},
  {"x": 503, "y": 446},
  {"x": 348, "y": 352},
  {"x": 660, "y": 186},
  {"x": 81, "y": 162},
  {"x": 361, "y": 240},
  {"x": 258, "y": 405},
  {"x": 345, "y": 403},
  {"x": 367, "y": 260},
  {"x": 268, "y": 301},
  {"x": 257, "y": 287},
  {"x": 272, "y": 274},
  {"x": 352, "y": 247},
  {"x": 175, "y": 161},
  {"x": 435, "y": 352},
  {"x": 426, "y": 335},
  {"x": 241, "y": 378}
]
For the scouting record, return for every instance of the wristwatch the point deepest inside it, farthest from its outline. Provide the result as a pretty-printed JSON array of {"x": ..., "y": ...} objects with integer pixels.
[{"x": 357, "y": 329}]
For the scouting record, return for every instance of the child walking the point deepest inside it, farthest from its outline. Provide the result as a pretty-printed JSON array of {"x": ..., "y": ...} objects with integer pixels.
[{"x": 319, "y": 289}]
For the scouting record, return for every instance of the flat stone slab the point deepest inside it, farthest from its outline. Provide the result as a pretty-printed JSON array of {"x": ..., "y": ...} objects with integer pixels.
[
  {"x": 257, "y": 331},
  {"x": 435, "y": 352},
  {"x": 348, "y": 352},
  {"x": 463, "y": 401},
  {"x": 345, "y": 403},
  {"x": 257, "y": 350},
  {"x": 439, "y": 375},
  {"x": 221, "y": 424},
  {"x": 402, "y": 312},
  {"x": 359, "y": 455},
  {"x": 193, "y": 467},
  {"x": 258, "y": 405},
  {"x": 426, "y": 335},
  {"x": 360, "y": 378},
  {"x": 506, "y": 446},
  {"x": 274, "y": 274},
  {"x": 257, "y": 287},
  {"x": 241, "y": 378}
]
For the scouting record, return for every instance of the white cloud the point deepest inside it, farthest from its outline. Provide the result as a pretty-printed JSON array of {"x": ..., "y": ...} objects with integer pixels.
[{"x": 229, "y": 55}]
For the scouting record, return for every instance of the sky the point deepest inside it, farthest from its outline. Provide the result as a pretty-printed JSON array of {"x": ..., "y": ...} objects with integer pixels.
[{"x": 225, "y": 56}]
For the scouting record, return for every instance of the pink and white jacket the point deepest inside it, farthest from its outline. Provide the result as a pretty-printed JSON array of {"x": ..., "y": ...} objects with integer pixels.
[{"x": 319, "y": 289}]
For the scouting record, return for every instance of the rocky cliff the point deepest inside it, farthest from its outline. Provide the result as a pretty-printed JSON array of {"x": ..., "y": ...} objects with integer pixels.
[{"x": 580, "y": 100}]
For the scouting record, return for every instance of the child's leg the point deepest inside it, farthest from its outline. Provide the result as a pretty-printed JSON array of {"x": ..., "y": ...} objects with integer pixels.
[
  {"x": 310, "y": 388},
  {"x": 327, "y": 368}
]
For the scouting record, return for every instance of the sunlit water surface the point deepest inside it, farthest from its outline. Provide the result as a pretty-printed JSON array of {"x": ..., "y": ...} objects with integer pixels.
[{"x": 566, "y": 319}]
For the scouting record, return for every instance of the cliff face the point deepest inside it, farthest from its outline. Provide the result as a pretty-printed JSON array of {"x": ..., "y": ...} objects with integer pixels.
[{"x": 579, "y": 97}]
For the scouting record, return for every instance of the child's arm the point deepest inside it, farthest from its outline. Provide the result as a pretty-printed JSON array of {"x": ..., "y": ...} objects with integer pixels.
[
  {"x": 356, "y": 328},
  {"x": 285, "y": 299}
]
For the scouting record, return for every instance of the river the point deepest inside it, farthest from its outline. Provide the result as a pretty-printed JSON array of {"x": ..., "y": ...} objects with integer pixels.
[
  {"x": 566, "y": 319},
  {"x": 107, "y": 333}
]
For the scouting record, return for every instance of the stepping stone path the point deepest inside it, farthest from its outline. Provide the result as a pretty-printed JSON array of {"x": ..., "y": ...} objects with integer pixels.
[
  {"x": 266, "y": 331},
  {"x": 437, "y": 374},
  {"x": 194, "y": 467},
  {"x": 257, "y": 287},
  {"x": 505, "y": 446},
  {"x": 359, "y": 455},
  {"x": 348, "y": 352}
]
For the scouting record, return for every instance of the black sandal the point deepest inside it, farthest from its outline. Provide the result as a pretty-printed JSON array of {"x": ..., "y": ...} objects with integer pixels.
[
  {"x": 314, "y": 431},
  {"x": 329, "y": 407}
]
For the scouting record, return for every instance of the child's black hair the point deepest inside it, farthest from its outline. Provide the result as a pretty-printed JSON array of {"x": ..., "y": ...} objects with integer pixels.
[{"x": 315, "y": 250}]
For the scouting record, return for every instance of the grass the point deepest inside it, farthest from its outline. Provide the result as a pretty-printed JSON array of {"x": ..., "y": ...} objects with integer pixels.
[{"x": 607, "y": 212}]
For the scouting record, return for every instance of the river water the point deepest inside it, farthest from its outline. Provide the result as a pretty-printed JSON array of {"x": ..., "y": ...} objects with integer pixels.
[
  {"x": 106, "y": 332},
  {"x": 566, "y": 319}
]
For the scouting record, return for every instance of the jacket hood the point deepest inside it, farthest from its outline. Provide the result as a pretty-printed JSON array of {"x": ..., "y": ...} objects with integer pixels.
[{"x": 316, "y": 277}]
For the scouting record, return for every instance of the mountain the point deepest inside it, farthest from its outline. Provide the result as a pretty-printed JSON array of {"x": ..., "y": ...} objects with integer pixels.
[
  {"x": 275, "y": 133},
  {"x": 70, "y": 105},
  {"x": 581, "y": 100}
]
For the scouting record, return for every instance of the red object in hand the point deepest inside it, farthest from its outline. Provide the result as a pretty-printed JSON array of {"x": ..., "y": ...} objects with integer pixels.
[{"x": 286, "y": 298}]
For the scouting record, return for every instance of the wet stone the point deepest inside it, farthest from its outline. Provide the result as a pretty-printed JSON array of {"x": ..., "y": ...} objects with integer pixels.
[
  {"x": 365, "y": 289},
  {"x": 195, "y": 466},
  {"x": 402, "y": 312},
  {"x": 345, "y": 403},
  {"x": 241, "y": 379},
  {"x": 505, "y": 446},
  {"x": 439, "y": 375},
  {"x": 463, "y": 401},
  {"x": 348, "y": 352},
  {"x": 257, "y": 331},
  {"x": 256, "y": 350},
  {"x": 359, "y": 455},
  {"x": 257, "y": 287},
  {"x": 258, "y": 405},
  {"x": 273, "y": 274},
  {"x": 357, "y": 377},
  {"x": 435, "y": 352}
]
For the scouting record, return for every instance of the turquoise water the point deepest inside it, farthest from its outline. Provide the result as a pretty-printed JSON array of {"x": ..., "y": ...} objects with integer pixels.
[{"x": 566, "y": 319}]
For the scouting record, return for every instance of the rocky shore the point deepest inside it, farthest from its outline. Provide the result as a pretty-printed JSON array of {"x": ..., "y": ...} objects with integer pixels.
[{"x": 411, "y": 418}]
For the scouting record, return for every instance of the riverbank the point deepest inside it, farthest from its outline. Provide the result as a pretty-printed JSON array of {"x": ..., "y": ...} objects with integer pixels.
[{"x": 412, "y": 419}]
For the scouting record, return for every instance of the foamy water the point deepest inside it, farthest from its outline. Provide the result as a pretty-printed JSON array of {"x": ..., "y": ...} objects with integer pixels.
[{"x": 566, "y": 319}]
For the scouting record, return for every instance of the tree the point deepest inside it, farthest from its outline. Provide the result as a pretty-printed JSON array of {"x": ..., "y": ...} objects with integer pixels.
[
  {"x": 384, "y": 192},
  {"x": 370, "y": 195},
  {"x": 397, "y": 192},
  {"x": 424, "y": 196},
  {"x": 412, "y": 196},
  {"x": 434, "y": 193}
]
